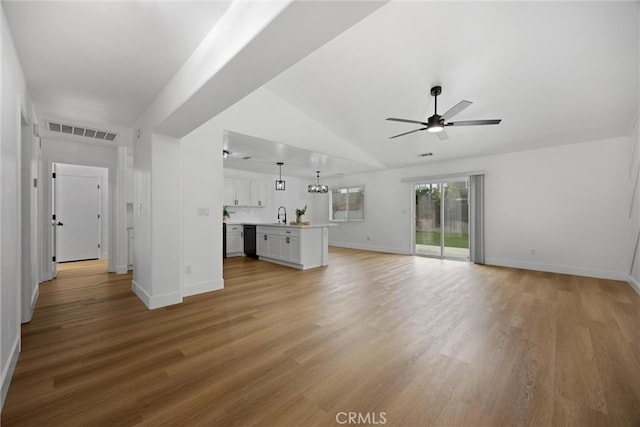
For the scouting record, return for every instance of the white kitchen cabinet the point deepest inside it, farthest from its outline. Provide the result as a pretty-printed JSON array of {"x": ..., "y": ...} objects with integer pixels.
[
  {"x": 262, "y": 243},
  {"x": 236, "y": 192},
  {"x": 234, "y": 240},
  {"x": 258, "y": 194},
  {"x": 298, "y": 247},
  {"x": 229, "y": 192},
  {"x": 241, "y": 192}
]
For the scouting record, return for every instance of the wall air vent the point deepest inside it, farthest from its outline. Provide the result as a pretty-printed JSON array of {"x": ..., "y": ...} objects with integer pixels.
[{"x": 102, "y": 135}]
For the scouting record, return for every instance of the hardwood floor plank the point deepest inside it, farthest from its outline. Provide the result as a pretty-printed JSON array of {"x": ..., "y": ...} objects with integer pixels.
[{"x": 426, "y": 342}]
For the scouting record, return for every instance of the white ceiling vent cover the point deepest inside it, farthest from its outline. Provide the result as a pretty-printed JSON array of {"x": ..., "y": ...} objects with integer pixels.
[{"x": 102, "y": 135}]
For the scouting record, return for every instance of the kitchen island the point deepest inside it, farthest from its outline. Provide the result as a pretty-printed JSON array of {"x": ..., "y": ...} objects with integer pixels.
[{"x": 297, "y": 246}]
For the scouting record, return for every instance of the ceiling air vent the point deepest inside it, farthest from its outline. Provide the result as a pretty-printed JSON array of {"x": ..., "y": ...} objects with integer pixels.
[
  {"x": 102, "y": 135},
  {"x": 425, "y": 154}
]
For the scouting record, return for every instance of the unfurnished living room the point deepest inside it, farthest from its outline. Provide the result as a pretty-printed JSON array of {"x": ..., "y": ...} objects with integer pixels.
[{"x": 320, "y": 213}]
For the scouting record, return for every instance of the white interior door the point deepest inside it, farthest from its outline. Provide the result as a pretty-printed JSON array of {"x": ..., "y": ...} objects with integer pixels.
[{"x": 77, "y": 217}]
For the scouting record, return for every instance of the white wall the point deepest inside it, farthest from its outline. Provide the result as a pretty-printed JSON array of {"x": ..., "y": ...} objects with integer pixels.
[
  {"x": 102, "y": 174},
  {"x": 566, "y": 202},
  {"x": 76, "y": 153},
  {"x": 633, "y": 203},
  {"x": 29, "y": 215},
  {"x": 142, "y": 216},
  {"x": 202, "y": 235},
  {"x": 15, "y": 103},
  {"x": 157, "y": 220}
]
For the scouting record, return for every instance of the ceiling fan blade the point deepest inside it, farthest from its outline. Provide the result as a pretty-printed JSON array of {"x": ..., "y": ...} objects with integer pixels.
[
  {"x": 456, "y": 109},
  {"x": 406, "y": 121},
  {"x": 474, "y": 122},
  {"x": 407, "y": 133},
  {"x": 442, "y": 135}
]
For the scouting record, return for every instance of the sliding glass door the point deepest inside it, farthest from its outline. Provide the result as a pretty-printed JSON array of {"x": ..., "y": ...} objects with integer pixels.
[{"x": 442, "y": 219}]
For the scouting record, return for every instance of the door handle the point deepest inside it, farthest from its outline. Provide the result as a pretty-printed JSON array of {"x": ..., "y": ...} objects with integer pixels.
[{"x": 59, "y": 224}]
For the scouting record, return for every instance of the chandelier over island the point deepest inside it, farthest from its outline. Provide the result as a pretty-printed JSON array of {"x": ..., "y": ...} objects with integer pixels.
[{"x": 317, "y": 187}]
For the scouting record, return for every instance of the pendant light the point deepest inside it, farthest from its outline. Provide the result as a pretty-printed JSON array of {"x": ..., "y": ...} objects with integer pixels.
[
  {"x": 317, "y": 188},
  {"x": 280, "y": 182}
]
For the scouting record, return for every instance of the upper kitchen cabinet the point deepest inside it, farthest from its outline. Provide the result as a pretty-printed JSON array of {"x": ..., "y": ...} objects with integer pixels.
[
  {"x": 258, "y": 194},
  {"x": 237, "y": 192}
]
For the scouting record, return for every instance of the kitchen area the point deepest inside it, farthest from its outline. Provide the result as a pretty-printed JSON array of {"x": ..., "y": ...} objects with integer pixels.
[{"x": 260, "y": 221}]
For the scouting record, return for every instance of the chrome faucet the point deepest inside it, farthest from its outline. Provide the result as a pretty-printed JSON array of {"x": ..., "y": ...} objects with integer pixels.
[{"x": 285, "y": 214}]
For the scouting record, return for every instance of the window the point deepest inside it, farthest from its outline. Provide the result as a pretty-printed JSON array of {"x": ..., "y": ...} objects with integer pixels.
[{"x": 347, "y": 204}]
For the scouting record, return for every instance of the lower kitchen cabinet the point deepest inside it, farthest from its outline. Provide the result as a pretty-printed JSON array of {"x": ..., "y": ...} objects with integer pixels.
[
  {"x": 293, "y": 246},
  {"x": 235, "y": 241}
]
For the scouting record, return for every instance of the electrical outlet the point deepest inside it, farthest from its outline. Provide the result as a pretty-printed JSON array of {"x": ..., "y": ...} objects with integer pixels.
[
  {"x": 533, "y": 251},
  {"x": 187, "y": 269}
]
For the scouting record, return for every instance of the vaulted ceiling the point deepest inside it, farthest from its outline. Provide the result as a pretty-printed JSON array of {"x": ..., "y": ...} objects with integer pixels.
[{"x": 554, "y": 72}]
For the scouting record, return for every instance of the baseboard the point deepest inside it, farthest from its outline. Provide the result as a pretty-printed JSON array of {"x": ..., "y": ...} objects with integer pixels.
[
  {"x": 34, "y": 300},
  {"x": 203, "y": 287},
  {"x": 7, "y": 373},
  {"x": 34, "y": 297},
  {"x": 562, "y": 269},
  {"x": 634, "y": 284},
  {"x": 372, "y": 248},
  {"x": 155, "y": 301},
  {"x": 122, "y": 269}
]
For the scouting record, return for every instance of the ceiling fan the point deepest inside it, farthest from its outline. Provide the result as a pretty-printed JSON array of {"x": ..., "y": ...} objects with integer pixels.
[{"x": 436, "y": 123}]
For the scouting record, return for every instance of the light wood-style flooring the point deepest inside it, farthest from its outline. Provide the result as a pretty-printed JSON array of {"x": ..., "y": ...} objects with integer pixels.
[{"x": 412, "y": 341}]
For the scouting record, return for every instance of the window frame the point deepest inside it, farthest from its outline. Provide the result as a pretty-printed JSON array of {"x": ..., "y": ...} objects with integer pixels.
[{"x": 347, "y": 188}]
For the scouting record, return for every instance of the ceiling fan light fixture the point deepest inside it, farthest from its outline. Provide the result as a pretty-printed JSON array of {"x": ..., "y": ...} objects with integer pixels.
[{"x": 435, "y": 124}]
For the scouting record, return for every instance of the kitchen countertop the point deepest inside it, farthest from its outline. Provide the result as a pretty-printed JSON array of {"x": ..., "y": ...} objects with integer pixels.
[{"x": 279, "y": 225}]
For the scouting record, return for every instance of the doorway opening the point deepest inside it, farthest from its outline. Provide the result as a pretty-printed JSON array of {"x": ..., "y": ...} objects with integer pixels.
[
  {"x": 80, "y": 223},
  {"x": 442, "y": 219}
]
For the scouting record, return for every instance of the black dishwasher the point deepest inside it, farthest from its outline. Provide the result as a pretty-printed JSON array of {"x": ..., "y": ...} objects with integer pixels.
[
  {"x": 224, "y": 240},
  {"x": 250, "y": 241}
]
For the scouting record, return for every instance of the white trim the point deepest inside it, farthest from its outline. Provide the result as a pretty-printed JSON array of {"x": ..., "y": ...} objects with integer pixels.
[
  {"x": 156, "y": 301},
  {"x": 444, "y": 177},
  {"x": 203, "y": 287},
  {"x": 634, "y": 284},
  {"x": 34, "y": 297},
  {"x": 562, "y": 269},
  {"x": 372, "y": 248},
  {"x": 10, "y": 367},
  {"x": 32, "y": 307},
  {"x": 122, "y": 269}
]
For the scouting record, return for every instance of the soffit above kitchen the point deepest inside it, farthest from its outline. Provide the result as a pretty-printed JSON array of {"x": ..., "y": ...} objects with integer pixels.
[{"x": 250, "y": 153}]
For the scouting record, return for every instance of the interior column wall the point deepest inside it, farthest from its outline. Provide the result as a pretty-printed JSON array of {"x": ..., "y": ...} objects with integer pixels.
[{"x": 157, "y": 220}]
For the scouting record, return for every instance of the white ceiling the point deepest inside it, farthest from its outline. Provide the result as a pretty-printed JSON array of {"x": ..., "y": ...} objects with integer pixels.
[
  {"x": 555, "y": 72},
  {"x": 95, "y": 62}
]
